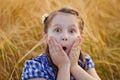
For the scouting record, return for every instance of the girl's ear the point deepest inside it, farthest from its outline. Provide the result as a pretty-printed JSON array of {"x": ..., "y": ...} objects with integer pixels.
[{"x": 45, "y": 38}]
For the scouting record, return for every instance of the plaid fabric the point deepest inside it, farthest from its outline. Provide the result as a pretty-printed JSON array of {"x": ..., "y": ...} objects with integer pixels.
[{"x": 39, "y": 67}]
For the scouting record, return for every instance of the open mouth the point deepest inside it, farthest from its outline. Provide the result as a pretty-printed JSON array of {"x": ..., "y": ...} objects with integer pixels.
[{"x": 64, "y": 48}]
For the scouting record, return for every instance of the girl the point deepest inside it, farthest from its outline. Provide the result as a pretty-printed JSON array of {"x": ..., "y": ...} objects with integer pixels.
[{"x": 62, "y": 60}]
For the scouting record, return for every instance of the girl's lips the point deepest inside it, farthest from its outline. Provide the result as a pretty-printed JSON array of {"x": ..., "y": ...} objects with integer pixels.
[{"x": 64, "y": 48}]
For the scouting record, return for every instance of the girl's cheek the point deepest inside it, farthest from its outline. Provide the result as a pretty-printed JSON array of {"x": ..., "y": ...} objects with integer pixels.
[
  {"x": 49, "y": 38},
  {"x": 73, "y": 39},
  {"x": 53, "y": 37}
]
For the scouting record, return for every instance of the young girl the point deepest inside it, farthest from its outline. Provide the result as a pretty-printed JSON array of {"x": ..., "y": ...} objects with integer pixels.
[{"x": 63, "y": 59}]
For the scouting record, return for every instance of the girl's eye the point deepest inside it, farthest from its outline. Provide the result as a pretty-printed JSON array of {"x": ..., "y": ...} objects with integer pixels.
[
  {"x": 58, "y": 30},
  {"x": 72, "y": 30}
]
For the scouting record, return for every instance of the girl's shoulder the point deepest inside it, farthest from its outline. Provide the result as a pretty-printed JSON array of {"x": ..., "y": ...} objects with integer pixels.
[
  {"x": 37, "y": 61},
  {"x": 37, "y": 67}
]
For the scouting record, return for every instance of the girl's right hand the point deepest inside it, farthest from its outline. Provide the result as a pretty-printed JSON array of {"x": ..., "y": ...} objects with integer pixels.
[{"x": 58, "y": 56}]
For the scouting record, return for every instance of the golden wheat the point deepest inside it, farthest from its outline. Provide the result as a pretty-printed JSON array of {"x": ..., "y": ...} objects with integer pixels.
[{"x": 21, "y": 33}]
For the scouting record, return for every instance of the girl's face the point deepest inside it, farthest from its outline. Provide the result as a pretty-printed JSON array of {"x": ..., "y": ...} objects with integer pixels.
[{"x": 64, "y": 28}]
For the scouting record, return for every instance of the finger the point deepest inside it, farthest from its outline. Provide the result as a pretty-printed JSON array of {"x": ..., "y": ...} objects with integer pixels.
[
  {"x": 62, "y": 52},
  {"x": 75, "y": 49},
  {"x": 76, "y": 44},
  {"x": 79, "y": 39},
  {"x": 55, "y": 46},
  {"x": 51, "y": 48},
  {"x": 58, "y": 48},
  {"x": 78, "y": 47},
  {"x": 54, "y": 42}
]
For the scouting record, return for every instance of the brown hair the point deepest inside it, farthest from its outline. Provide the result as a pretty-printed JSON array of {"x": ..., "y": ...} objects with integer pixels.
[{"x": 47, "y": 22}]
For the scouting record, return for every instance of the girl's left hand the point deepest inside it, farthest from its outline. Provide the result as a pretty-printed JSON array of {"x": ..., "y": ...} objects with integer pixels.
[{"x": 75, "y": 52}]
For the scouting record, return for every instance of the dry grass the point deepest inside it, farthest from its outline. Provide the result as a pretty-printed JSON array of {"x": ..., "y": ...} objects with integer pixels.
[{"x": 21, "y": 33}]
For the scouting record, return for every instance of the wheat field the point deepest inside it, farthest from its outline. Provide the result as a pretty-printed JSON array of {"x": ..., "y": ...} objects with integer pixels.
[{"x": 21, "y": 33}]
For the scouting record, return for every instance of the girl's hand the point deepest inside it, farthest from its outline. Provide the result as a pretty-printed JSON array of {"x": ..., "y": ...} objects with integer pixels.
[
  {"x": 58, "y": 56},
  {"x": 75, "y": 52}
]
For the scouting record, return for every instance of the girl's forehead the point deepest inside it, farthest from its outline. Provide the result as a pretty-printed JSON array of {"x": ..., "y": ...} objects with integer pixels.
[{"x": 64, "y": 19}]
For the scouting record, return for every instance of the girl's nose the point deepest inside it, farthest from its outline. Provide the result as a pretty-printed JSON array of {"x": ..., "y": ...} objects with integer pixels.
[{"x": 65, "y": 37}]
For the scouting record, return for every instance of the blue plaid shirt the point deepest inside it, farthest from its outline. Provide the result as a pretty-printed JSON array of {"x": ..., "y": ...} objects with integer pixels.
[{"x": 39, "y": 67}]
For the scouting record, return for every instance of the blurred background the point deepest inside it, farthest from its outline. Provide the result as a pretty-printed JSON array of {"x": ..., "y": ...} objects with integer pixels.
[{"x": 21, "y": 33}]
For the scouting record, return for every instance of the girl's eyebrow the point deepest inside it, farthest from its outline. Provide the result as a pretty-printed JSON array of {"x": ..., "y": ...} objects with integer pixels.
[
  {"x": 56, "y": 25},
  {"x": 71, "y": 25}
]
